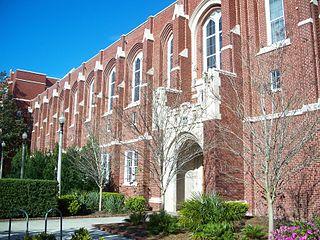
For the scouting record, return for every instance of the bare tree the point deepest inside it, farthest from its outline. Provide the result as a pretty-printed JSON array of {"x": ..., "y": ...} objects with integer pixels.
[
  {"x": 280, "y": 126},
  {"x": 93, "y": 160},
  {"x": 163, "y": 123}
]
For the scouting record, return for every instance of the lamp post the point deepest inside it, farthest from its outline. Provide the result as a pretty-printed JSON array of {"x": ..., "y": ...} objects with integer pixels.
[
  {"x": 61, "y": 121},
  {"x": 2, "y": 150},
  {"x": 24, "y": 138}
]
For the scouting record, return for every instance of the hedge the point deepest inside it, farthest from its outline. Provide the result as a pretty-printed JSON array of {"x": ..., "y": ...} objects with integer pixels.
[{"x": 34, "y": 196}]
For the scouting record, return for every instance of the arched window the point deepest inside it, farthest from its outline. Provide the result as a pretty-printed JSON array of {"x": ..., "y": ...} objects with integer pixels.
[
  {"x": 169, "y": 59},
  {"x": 91, "y": 98},
  {"x": 112, "y": 81},
  {"x": 212, "y": 36},
  {"x": 137, "y": 70}
]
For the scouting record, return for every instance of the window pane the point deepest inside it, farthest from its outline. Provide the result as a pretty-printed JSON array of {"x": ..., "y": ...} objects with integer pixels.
[
  {"x": 277, "y": 30},
  {"x": 211, "y": 62},
  {"x": 210, "y": 28},
  {"x": 137, "y": 65},
  {"x": 137, "y": 78},
  {"x": 136, "y": 94},
  {"x": 211, "y": 46},
  {"x": 276, "y": 9}
]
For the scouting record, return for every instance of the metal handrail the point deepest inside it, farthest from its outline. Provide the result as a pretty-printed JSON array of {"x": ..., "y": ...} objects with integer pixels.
[
  {"x": 10, "y": 220},
  {"x": 46, "y": 220}
]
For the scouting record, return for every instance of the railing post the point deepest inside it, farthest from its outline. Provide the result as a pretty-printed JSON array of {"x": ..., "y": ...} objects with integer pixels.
[
  {"x": 10, "y": 220},
  {"x": 46, "y": 220}
]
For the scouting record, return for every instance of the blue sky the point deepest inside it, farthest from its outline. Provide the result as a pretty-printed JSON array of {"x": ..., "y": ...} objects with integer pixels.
[{"x": 53, "y": 36}]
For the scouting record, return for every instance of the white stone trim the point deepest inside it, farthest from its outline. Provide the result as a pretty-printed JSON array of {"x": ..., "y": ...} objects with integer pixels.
[
  {"x": 315, "y": 2},
  {"x": 55, "y": 93},
  {"x": 306, "y": 21},
  {"x": 22, "y": 100},
  {"x": 99, "y": 95},
  {"x": 305, "y": 108},
  {"x": 175, "y": 68},
  {"x": 81, "y": 77},
  {"x": 67, "y": 110},
  {"x": 29, "y": 81},
  {"x": 150, "y": 72},
  {"x": 227, "y": 47},
  {"x": 184, "y": 53},
  {"x": 274, "y": 46},
  {"x": 55, "y": 115},
  {"x": 37, "y": 105},
  {"x": 179, "y": 12},
  {"x": 81, "y": 103},
  {"x": 147, "y": 35},
  {"x": 155, "y": 200},
  {"x": 98, "y": 66},
  {"x": 236, "y": 29},
  {"x": 67, "y": 86},
  {"x": 144, "y": 137},
  {"x": 45, "y": 99},
  {"x": 120, "y": 53}
]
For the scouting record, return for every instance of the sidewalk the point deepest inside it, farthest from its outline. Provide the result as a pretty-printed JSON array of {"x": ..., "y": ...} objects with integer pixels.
[{"x": 18, "y": 228}]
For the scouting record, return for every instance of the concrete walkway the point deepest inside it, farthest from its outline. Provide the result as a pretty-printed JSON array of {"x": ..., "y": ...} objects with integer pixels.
[{"x": 18, "y": 228}]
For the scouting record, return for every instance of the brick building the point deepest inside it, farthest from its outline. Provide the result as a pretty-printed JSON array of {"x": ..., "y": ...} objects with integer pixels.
[
  {"x": 25, "y": 86},
  {"x": 199, "y": 57}
]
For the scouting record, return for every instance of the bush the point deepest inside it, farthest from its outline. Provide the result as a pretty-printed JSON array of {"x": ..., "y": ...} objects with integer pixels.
[
  {"x": 81, "y": 234},
  {"x": 90, "y": 200},
  {"x": 70, "y": 205},
  {"x": 113, "y": 202},
  {"x": 201, "y": 210},
  {"x": 34, "y": 196},
  {"x": 135, "y": 204},
  {"x": 216, "y": 231},
  {"x": 235, "y": 211},
  {"x": 162, "y": 223},
  {"x": 41, "y": 236},
  {"x": 64, "y": 203},
  {"x": 253, "y": 232},
  {"x": 297, "y": 230}
]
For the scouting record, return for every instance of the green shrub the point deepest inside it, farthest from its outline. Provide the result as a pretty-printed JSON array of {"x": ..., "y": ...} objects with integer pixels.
[
  {"x": 135, "y": 204},
  {"x": 216, "y": 231},
  {"x": 201, "y": 210},
  {"x": 253, "y": 232},
  {"x": 137, "y": 218},
  {"x": 34, "y": 196},
  {"x": 235, "y": 211},
  {"x": 41, "y": 236},
  {"x": 64, "y": 202},
  {"x": 81, "y": 234},
  {"x": 162, "y": 223},
  {"x": 90, "y": 200},
  {"x": 113, "y": 202}
]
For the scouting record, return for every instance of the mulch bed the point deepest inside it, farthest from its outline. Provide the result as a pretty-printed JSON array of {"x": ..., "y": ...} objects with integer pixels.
[{"x": 137, "y": 232}]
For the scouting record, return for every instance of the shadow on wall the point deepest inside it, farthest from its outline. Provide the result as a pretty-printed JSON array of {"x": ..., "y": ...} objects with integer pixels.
[{"x": 300, "y": 199}]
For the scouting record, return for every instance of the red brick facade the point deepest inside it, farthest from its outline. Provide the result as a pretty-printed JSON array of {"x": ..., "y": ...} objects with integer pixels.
[{"x": 245, "y": 40}]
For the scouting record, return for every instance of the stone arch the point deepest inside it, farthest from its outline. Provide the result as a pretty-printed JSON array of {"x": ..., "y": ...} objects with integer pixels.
[{"x": 189, "y": 170}]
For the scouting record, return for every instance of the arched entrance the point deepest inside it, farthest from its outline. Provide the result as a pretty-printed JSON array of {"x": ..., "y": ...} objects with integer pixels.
[{"x": 189, "y": 179}]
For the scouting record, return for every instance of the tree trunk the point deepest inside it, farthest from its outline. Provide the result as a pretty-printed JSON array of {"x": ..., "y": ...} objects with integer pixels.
[
  {"x": 270, "y": 213},
  {"x": 163, "y": 199},
  {"x": 100, "y": 198}
]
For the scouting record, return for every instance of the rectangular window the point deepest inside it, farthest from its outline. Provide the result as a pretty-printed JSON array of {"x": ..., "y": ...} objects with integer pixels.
[
  {"x": 105, "y": 166},
  {"x": 131, "y": 167},
  {"x": 275, "y": 80},
  {"x": 276, "y": 21}
]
